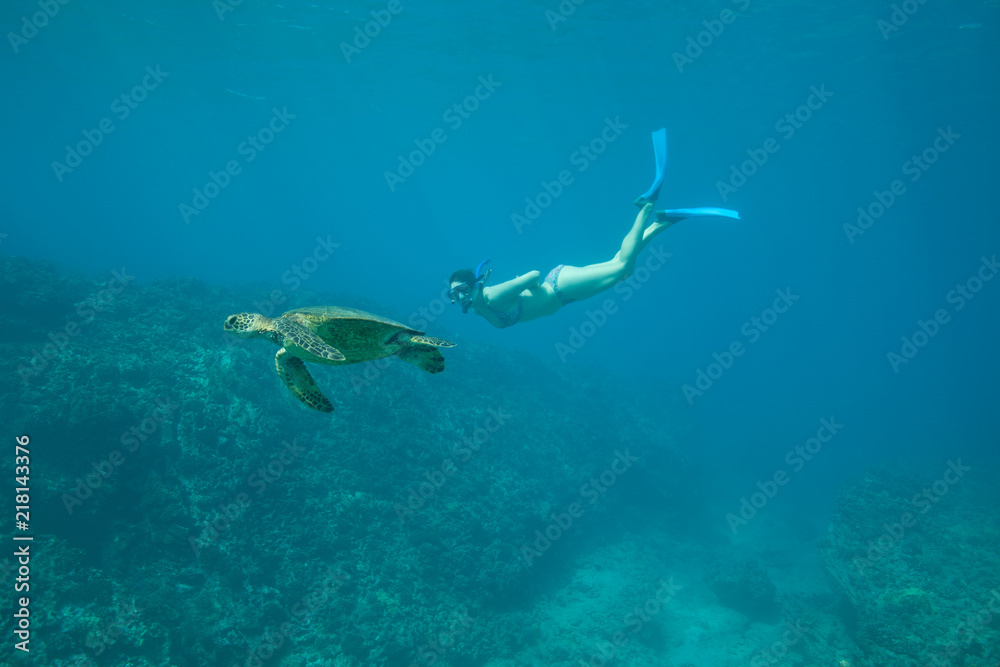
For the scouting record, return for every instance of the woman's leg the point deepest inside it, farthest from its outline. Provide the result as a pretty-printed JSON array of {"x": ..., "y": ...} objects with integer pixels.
[
  {"x": 652, "y": 231},
  {"x": 632, "y": 244},
  {"x": 583, "y": 282}
]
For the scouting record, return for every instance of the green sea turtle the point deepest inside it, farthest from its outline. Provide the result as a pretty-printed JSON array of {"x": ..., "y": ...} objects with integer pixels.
[{"x": 335, "y": 336}]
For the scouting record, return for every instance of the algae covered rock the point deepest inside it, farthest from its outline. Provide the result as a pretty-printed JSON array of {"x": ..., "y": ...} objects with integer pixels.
[
  {"x": 917, "y": 579},
  {"x": 212, "y": 520}
]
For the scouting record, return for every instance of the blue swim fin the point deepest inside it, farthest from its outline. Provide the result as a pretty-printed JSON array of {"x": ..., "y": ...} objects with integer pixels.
[
  {"x": 660, "y": 153},
  {"x": 678, "y": 214},
  {"x": 674, "y": 214}
]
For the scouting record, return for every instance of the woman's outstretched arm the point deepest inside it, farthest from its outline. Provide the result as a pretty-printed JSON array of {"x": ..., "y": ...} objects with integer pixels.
[{"x": 505, "y": 294}]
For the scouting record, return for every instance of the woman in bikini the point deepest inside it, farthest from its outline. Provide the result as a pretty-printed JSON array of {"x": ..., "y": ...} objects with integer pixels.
[{"x": 525, "y": 298}]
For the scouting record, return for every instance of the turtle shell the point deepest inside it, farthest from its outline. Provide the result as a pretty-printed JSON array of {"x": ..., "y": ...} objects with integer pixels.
[{"x": 357, "y": 334}]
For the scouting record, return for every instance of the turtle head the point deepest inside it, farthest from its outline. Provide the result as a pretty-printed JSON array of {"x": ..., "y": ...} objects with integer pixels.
[{"x": 246, "y": 325}]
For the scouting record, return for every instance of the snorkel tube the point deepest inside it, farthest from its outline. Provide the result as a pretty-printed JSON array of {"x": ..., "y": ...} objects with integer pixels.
[
  {"x": 479, "y": 270},
  {"x": 477, "y": 287}
]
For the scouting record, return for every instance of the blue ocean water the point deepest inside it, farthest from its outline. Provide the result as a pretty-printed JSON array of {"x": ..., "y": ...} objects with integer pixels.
[{"x": 271, "y": 154}]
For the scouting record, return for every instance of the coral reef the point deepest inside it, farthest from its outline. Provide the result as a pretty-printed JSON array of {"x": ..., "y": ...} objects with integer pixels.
[
  {"x": 746, "y": 587},
  {"x": 193, "y": 513},
  {"x": 915, "y": 560}
]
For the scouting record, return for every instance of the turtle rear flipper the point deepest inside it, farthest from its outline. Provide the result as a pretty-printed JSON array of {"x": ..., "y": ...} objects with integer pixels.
[
  {"x": 424, "y": 357},
  {"x": 430, "y": 340},
  {"x": 300, "y": 337},
  {"x": 293, "y": 373}
]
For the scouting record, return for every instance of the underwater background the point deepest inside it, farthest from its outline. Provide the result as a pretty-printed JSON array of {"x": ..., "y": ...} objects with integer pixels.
[{"x": 777, "y": 447}]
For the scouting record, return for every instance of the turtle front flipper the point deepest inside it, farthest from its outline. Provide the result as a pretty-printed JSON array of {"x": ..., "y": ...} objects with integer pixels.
[
  {"x": 293, "y": 373},
  {"x": 298, "y": 336}
]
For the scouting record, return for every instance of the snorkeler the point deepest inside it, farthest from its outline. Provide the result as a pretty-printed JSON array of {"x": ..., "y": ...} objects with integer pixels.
[{"x": 525, "y": 298}]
